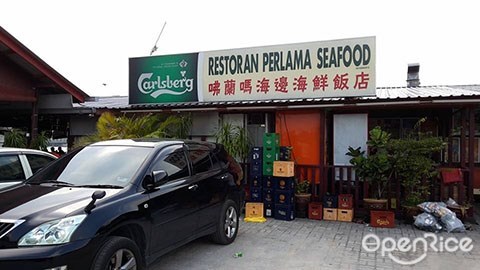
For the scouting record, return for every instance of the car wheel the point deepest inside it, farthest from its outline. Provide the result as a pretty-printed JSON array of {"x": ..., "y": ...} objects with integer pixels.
[
  {"x": 118, "y": 253},
  {"x": 227, "y": 226}
]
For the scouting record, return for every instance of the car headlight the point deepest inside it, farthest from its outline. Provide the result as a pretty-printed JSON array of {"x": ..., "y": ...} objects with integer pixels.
[{"x": 52, "y": 232}]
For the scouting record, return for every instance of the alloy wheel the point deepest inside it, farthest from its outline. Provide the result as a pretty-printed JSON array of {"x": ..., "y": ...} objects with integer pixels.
[
  {"x": 230, "y": 222},
  {"x": 123, "y": 259}
]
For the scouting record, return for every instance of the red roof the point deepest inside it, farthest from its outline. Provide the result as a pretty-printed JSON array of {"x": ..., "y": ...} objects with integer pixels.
[{"x": 15, "y": 49}]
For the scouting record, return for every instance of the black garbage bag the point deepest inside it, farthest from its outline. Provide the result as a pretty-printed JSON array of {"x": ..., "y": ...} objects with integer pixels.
[{"x": 427, "y": 222}]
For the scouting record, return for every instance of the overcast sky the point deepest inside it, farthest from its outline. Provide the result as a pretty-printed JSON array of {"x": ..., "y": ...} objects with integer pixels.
[{"x": 89, "y": 42}]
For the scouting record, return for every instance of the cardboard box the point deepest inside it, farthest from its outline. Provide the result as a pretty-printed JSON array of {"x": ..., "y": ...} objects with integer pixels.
[
  {"x": 330, "y": 213},
  {"x": 345, "y": 201},
  {"x": 253, "y": 210},
  {"x": 315, "y": 210},
  {"x": 283, "y": 168},
  {"x": 345, "y": 215},
  {"x": 382, "y": 219}
]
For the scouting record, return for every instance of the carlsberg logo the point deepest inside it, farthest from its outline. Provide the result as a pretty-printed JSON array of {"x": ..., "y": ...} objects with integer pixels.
[{"x": 156, "y": 86}]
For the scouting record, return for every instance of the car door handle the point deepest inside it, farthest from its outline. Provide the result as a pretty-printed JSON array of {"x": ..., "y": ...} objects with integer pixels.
[{"x": 193, "y": 187}]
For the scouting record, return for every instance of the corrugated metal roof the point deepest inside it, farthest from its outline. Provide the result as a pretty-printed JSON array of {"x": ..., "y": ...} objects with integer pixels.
[
  {"x": 383, "y": 94},
  {"x": 427, "y": 92},
  {"x": 114, "y": 102}
]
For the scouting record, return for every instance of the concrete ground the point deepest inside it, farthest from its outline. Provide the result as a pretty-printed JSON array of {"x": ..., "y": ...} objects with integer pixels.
[{"x": 313, "y": 244}]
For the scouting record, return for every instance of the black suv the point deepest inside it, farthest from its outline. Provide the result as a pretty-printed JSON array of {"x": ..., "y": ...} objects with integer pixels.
[{"x": 119, "y": 205}]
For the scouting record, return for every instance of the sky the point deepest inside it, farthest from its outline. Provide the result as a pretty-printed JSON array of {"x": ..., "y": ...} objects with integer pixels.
[{"x": 90, "y": 42}]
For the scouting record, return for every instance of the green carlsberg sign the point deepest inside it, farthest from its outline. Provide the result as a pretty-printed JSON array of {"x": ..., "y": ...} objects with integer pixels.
[{"x": 163, "y": 79}]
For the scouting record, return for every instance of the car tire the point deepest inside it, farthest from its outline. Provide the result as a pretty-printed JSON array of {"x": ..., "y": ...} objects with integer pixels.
[
  {"x": 227, "y": 224},
  {"x": 114, "y": 248}
]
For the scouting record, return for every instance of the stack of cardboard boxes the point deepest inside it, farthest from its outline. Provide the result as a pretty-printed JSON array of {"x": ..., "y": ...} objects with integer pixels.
[{"x": 338, "y": 207}]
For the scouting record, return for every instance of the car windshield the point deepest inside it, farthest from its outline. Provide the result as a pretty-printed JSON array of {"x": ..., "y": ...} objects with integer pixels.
[{"x": 95, "y": 166}]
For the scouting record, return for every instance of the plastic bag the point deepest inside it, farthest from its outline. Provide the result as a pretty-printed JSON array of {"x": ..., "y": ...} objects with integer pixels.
[
  {"x": 427, "y": 222},
  {"x": 452, "y": 203},
  {"x": 439, "y": 209},
  {"x": 452, "y": 224}
]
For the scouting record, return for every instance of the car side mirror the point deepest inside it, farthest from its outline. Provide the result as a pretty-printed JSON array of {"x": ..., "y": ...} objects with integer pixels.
[{"x": 159, "y": 177}]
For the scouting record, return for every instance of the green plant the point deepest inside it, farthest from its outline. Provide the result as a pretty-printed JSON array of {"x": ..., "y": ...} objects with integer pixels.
[
  {"x": 110, "y": 127},
  {"x": 414, "y": 166},
  {"x": 40, "y": 142},
  {"x": 235, "y": 139},
  {"x": 302, "y": 187},
  {"x": 376, "y": 168},
  {"x": 15, "y": 138}
]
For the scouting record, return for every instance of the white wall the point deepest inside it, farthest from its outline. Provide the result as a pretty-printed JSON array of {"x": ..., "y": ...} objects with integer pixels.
[{"x": 348, "y": 130}]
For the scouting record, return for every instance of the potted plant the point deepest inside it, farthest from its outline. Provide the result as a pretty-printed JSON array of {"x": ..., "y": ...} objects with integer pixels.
[
  {"x": 302, "y": 198},
  {"x": 15, "y": 138},
  {"x": 414, "y": 167},
  {"x": 376, "y": 168},
  {"x": 40, "y": 142}
]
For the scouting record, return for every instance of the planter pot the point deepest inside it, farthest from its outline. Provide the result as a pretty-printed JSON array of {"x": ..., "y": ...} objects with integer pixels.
[
  {"x": 301, "y": 204},
  {"x": 375, "y": 204},
  {"x": 409, "y": 213}
]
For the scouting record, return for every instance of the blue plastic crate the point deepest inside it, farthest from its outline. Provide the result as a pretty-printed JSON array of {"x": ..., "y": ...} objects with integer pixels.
[
  {"x": 268, "y": 195},
  {"x": 268, "y": 181},
  {"x": 268, "y": 209},
  {"x": 330, "y": 201},
  {"x": 284, "y": 212},
  {"x": 256, "y": 169},
  {"x": 256, "y": 182},
  {"x": 256, "y": 195},
  {"x": 256, "y": 154},
  {"x": 284, "y": 197},
  {"x": 284, "y": 183}
]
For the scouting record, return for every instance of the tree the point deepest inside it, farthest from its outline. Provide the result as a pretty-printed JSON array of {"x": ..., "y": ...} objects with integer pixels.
[{"x": 111, "y": 127}]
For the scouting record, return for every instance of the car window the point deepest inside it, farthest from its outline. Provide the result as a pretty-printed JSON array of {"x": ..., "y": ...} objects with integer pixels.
[
  {"x": 174, "y": 162},
  {"x": 11, "y": 168},
  {"x": 200, "y": 157},
  {"x": 96, "y": 165},
  {"x": 38, "y": 161}
]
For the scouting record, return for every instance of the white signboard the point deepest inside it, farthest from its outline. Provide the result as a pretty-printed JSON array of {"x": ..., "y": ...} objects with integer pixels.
[{"x": 337, "y": 68}]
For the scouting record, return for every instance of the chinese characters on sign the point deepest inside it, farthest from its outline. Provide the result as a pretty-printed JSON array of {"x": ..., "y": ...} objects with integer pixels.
[{"x": 339, "y": 82}]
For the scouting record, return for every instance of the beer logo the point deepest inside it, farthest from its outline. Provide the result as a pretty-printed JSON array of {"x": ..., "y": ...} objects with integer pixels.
[{"x": 156, "y": 86}]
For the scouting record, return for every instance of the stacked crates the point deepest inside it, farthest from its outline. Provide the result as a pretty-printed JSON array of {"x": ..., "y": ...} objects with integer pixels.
[
  {"x": 255, "y": 174},
  {"x": 271, "y": 152},
  {"x": 330, "y": 207},
  {"x": 268, "y": 194},
  {"x": 284, "y": 190},
  {"x": 275, "y": 189},
  {"x": 345, "y": 207}
]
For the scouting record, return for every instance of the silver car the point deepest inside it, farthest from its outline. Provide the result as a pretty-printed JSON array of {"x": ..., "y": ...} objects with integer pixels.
[{"x": 18, "y": 164}]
